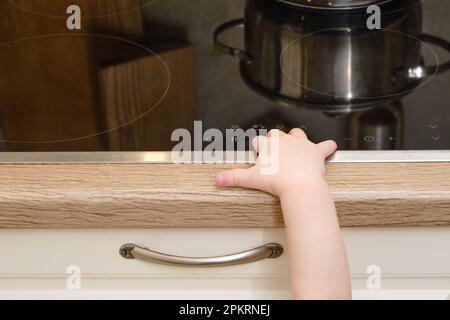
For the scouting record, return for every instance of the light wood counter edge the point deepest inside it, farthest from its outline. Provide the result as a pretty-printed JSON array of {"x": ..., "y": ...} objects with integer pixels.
[{"x": 63, "y": 196}]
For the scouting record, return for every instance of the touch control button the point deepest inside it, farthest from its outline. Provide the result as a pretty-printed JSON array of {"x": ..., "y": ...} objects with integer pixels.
[{"x": 369, "y": 139}]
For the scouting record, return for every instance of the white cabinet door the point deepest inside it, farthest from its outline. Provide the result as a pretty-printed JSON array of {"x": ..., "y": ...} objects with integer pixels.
[
  {"x": 412, "y": 264},
  {"x": 404, "y": 259}
]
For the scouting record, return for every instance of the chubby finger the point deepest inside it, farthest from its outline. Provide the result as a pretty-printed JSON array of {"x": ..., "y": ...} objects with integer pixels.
[
  {"x": 298, "y": 133},
  {"x": 235, "y": 178},
  {"x": 327, "y": 147},
  {"x": 257, "y": 142},
  {"x": 275, "y": 132}
]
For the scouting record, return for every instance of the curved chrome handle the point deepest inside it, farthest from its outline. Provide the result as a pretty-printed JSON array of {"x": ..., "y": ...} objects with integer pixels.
[
  {"x": 422, "y": 72},
  {"x": 267, "y": 251},
  {"x": 445, "y": 45},
  {"x": 224, "y": 48}
]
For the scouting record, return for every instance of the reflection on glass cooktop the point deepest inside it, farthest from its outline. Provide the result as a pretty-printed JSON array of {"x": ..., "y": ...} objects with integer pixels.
[{"x": 122, "y": 75}]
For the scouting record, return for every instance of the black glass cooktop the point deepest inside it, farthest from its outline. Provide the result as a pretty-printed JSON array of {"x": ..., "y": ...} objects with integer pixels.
[{"x": 122, "y": 75}]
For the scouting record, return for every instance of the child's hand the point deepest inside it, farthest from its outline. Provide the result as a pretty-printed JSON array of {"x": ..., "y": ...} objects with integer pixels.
[
  {"x": 299, "y": 164},
  {"x": 319, "y": 266}
]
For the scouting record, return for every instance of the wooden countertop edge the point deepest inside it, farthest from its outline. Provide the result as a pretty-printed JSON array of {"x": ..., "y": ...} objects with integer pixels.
[{"x": 63, "y": 196}]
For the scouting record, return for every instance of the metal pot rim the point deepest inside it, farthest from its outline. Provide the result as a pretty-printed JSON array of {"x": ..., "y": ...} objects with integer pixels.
[{"x": 335, "y": 4}]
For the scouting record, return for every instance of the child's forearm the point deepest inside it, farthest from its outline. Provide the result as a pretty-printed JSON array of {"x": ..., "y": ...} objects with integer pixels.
[
  {"x": 318, "y": 260},
  {"x": 317, "y": 253}
]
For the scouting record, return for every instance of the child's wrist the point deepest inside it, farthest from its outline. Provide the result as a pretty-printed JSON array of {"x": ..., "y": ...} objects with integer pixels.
[{"x": 304, "y": 188}]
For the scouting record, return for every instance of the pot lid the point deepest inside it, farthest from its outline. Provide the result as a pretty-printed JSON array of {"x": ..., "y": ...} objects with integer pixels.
[{"x": 334, "y": 4}]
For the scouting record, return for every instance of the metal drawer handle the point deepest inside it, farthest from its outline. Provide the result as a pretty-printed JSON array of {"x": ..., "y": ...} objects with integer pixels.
[{"x": 267, "y": 251}]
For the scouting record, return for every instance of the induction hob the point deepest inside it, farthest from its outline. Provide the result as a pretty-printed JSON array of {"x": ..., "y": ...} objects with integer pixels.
[{"x": 117, "y": 88}]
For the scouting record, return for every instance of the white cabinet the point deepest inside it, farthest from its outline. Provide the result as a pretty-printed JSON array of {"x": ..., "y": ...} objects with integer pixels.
[{"x": 413, "y": 263}]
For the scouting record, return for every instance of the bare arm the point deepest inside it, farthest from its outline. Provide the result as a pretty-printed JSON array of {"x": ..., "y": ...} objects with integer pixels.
[{"x": 318, "y": 261}]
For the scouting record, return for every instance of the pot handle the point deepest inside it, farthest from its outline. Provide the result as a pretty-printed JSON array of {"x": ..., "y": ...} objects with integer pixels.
[
  {"x": 226, "y": 49},
  {"x": 422, "y": 72}
]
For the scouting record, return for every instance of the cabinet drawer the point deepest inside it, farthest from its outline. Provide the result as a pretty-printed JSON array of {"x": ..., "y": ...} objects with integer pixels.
[
  {"x": 36, "y": 260},
  {"x": 96, "y": 252}
]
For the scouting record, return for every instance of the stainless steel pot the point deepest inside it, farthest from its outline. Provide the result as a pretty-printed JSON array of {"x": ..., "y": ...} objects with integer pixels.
[{"x": 327, "y": 59}]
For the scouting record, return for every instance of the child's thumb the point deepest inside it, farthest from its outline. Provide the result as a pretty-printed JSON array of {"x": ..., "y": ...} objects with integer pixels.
[{"x": 234, "y": 178}]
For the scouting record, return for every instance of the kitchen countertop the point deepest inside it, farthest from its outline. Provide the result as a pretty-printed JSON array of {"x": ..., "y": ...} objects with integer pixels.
[{"x": 159, "y": 195}]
